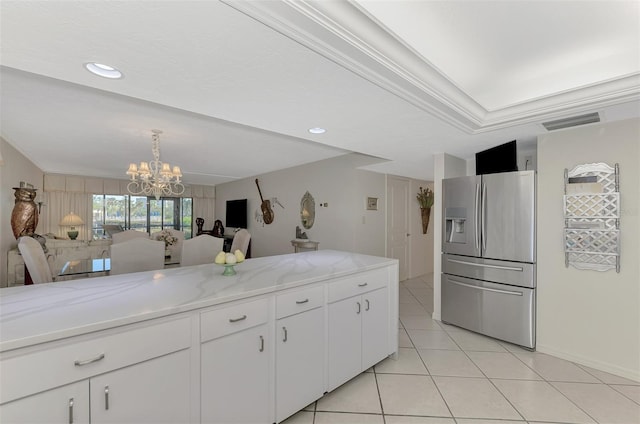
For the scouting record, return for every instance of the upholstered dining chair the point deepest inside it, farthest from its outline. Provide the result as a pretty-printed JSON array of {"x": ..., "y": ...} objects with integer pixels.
[
  {"x": 241, "y": 241},
  {"x": 135, "y": 255},
  {"x": 176, "y": 248},
  {"x": 127, "y": 235},
  {"x": 35, "y": 260},
  {"x": 200, "y": 250}
]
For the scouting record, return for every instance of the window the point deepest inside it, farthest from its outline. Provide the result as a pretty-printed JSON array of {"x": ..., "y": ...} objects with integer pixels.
[{"x": 142, "y": 213}]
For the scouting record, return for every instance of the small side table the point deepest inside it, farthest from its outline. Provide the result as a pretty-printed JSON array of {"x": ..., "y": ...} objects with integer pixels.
[{"x": 303, "y": 245}]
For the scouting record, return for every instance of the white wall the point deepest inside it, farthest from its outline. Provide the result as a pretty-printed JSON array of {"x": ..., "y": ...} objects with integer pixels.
[
  {"x": 421, "y": 261},
  {"x": 16, "y": 168},
  {"x": 344, "y": 224},
  {"x": 589, "y": 317},
  {"x": 445, "y": 166}
]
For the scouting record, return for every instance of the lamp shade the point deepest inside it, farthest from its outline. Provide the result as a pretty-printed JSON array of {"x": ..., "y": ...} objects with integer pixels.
[{"x": 71, "y": 220}]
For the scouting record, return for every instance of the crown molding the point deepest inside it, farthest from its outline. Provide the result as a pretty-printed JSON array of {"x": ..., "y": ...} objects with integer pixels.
[{"x": 343, "y": 33}]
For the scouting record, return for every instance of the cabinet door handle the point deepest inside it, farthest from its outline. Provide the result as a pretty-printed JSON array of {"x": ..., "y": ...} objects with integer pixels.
[
  {"x": 367, "y": 308},
  {"x": 237, "y": 319},
  {"x": 363, "y": 285},
  {"x": 300, "y": 302},
  {"x": 261, "y": 344},
  {"x": 359, "y": 307},
  {"x": 106, "y": 398},
  {"x": 71, "y": 411},
  {"x": 79, "y": 363},
  {"x": 284, "y": 338}
]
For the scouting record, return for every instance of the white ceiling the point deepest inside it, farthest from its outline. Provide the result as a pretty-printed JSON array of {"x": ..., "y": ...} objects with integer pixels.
[{"x": 235, "y": 85}]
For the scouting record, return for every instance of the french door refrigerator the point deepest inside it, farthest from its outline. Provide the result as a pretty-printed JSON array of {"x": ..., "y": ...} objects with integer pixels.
[{"x": 489, "y": 255}]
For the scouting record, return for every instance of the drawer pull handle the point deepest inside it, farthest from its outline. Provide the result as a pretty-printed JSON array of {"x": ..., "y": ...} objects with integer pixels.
[
  {"x": 243, "y": 317},
  {"x": 106, "y": 398},
  {"x": 471, "y": 286},
  {"x": 71, "y": 411},
  {"x": 300, "y": 302},
  {"x": 367, "y": 308},
  {"x": 359, "y": 307},
  {"x": 78, "y": 363},
  {"x": 363, "y": 285},
  {"x": 285, "y": 338},
  {"x": 261, "y": 344}
]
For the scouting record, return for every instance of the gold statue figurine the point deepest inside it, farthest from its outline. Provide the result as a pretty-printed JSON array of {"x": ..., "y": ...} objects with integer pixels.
[{"x": 24, "y": 218}]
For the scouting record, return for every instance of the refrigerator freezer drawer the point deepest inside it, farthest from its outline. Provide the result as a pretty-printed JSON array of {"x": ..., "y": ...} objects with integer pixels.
[
  {"x": 496, "y": 310},
  {"x": 505, "y": 272}
]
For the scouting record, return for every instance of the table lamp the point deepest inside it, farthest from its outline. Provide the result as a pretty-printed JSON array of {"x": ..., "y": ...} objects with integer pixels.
[{"x": 72, "y": 220}]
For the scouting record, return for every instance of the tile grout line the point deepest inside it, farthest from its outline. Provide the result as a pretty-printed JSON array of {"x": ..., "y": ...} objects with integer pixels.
[
  {"x": 608, "y": 384},
  {"x": 549, "y": 382},
  {"x": 431, "y": 377},
  {"x": 479, "y": 369},
  {"x": 488, "y": 379},
  {"x": 375, "y": 377}
]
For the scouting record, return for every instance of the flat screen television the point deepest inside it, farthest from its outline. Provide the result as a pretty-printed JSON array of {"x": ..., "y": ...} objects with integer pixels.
[
  {"x": 502, "y": 158},
  {"x": 236, "y": 213}
]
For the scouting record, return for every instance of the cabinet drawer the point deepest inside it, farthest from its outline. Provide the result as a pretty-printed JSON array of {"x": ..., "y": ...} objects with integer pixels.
[
  {"x": 84, "y": 356},
  {"x": 299, "y": 301},
  {"x": 357, "y": 284},
  {"x": 228, "y": 320}
]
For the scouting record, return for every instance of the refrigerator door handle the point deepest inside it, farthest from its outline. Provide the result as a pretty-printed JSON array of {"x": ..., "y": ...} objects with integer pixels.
[
  {"x": 483, "y": 210},
  {"x": 505, "y": 268},
  {"x": 476, "y": 216},
  {"x": 471, "y": 286}
]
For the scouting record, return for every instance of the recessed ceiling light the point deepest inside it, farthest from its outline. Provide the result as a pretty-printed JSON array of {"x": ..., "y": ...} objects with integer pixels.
[
  {"x": 101, "y": 70},
  {"x": 317, "y": 130}
]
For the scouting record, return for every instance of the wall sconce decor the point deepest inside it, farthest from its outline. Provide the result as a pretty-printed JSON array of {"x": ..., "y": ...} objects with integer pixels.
[{"x": 425, "y": 199}]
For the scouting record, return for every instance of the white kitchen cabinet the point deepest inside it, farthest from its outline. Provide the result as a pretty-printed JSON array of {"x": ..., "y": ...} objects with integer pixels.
[
  {"x": 135, "y": 362},
  {"x": 375, "y": 327},
  {"x": 235, "y": 366},
  {"x": 156, "y": 391},
  {"x": 300, "y": 344},
  {"x": 66, "y": 404},
  {"x": 358, "y": 335},
  {"x": 190, "y": 345}
]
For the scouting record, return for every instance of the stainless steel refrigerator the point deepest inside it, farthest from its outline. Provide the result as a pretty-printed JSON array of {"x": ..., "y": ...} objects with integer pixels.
[{"x": 489, "y": 255}]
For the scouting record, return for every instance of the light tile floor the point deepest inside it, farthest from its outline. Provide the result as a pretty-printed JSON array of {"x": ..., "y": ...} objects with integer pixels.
[{"x": 447, "y": 375}]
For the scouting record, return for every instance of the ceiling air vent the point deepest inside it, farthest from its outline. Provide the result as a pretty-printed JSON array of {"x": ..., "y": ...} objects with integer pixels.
[{"x": 574, "y": 121}]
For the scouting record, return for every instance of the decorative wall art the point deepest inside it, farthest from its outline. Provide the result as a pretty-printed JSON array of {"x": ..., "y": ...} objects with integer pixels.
[{"x": 425, "y": 199}]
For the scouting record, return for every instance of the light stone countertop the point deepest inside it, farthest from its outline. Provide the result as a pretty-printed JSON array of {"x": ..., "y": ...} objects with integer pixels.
[{"x": 45, "y": 312}]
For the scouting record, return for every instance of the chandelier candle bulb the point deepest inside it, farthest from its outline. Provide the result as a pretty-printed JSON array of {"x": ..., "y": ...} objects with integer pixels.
[
  {"x": 155, "y": 178},
  {"x": 166, "y": 169},
  {"x": 133, "y": 170}
]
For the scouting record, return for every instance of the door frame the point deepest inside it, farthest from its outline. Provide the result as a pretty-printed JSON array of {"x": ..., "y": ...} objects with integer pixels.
[{"x": 407, "y": 182}]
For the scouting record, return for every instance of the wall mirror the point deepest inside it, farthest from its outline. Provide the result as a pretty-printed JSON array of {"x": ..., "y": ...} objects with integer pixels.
[{"x": 307, "y": 210}]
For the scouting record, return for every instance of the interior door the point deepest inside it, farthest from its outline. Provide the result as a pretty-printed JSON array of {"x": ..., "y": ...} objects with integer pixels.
[
  {"x": 398, "y": 223},
  {"x": 509, "y": 216}
]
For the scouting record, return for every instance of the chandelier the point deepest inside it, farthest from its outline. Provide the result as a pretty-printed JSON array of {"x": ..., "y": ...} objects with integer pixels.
[{"x": 155, "y": 178}]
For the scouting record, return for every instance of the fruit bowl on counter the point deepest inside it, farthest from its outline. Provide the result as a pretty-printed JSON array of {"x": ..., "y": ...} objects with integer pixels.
[{"x": 229, "y": 261}]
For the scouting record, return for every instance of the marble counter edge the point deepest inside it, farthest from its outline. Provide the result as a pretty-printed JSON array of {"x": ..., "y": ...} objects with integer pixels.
[{"x": 69, "y": 332}]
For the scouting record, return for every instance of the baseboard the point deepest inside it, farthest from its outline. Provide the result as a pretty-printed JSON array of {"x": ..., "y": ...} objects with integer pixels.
[
  {"x": 599, "y": 365},
  {"x": 436, "y": 316}
]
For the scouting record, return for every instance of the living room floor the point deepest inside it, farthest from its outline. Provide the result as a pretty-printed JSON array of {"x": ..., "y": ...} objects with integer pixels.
[{"x": 447, "y": 375}]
